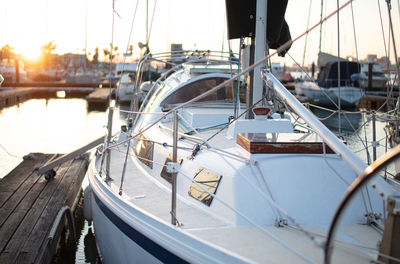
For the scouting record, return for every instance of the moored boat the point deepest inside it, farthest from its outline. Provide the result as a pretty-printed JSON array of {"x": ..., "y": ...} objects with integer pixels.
[
  {"x": 329, "y": 87},
  {"x": 192, "y": 180}
]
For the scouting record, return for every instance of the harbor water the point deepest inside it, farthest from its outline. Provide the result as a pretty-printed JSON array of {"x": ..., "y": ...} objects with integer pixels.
[
  {"x": 53, "y": 126},
  {"x": 63, "y": 125}
]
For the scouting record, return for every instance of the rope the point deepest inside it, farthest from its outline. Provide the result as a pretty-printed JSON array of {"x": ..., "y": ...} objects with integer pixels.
[{"x": 8, "y": 153}]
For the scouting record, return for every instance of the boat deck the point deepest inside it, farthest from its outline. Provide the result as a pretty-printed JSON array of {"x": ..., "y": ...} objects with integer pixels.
[{"x": 155, "y": 198}]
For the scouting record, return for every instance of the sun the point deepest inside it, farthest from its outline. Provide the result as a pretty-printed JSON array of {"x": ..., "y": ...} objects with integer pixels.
[{"x": 31, "y": 53}]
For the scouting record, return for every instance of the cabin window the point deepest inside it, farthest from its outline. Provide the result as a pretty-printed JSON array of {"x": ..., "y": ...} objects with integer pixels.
[
  {"x": 144, "y": 151},
  {"x": 208, "y": 181},
  {"x": 199, "y": 87},
  {"x": 164, "y": 174}
]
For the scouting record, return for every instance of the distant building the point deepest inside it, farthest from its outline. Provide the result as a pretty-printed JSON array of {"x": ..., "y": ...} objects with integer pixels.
[
  {"x": 74, "y": 61},
  {"x": 383, "y": 61}
]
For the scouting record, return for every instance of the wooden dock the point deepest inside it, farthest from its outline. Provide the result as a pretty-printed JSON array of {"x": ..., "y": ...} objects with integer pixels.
[
  {"x": 30, "y": 205},
  {"x": 14, "y": 96},
  {"x": 100, "y": 95},
  {"x": 99, "y": 98},
  {"x": 10, "y": 97}
]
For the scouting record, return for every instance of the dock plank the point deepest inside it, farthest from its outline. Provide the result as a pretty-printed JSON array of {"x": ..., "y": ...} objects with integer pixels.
[
  {"x": 20, "y": 226},
  {"x": 11, "y": 183},
  {"x": 51, "y": 211},
  {"x": 28, "y": 214},
  {"x": 100, "y": 95}
]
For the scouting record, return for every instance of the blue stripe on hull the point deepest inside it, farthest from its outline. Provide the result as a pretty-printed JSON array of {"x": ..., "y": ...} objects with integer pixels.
[{"x": 147, "y": 244}]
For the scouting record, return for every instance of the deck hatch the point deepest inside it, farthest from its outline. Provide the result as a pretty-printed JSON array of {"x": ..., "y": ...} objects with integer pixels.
[
  {"x": 209, "y": 181},
  {"x": 257, "y": 143}
]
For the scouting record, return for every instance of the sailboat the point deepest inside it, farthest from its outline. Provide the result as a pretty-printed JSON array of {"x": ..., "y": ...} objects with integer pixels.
[
  {"x": 330, "y": 87},
  {"x": 190, "y": 180}
]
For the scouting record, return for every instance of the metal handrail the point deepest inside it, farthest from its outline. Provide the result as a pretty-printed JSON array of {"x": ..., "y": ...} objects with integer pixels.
[
  {"x": 353, "y": 189},
  {"x": 337, "y": 145},
  {"x": 65, "y": 210}
]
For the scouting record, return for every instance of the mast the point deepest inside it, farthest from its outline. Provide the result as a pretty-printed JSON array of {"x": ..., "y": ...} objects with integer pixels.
[
  {"x": 338, "y": 41},
  {"x": 260, "y": 47},
  {"x": 320, "y": 26},
  {"x": 86, "y": 24}
]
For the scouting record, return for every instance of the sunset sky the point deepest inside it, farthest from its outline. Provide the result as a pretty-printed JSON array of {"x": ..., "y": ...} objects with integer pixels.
[{"x": 26, "y": 25}]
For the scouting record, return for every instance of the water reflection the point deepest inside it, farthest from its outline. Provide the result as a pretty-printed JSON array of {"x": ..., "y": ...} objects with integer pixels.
[
  {"x": 91, "y": 255},
  {"x": 86, "y": 250},
  {"x": 47, "y": 126},
  {"x": 350, "y": 119}
]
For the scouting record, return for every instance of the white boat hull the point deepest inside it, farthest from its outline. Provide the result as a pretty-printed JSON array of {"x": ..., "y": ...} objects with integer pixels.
[
  {"x": 235, "y": 202},
  {"x": 349, "y": 95},
  {"x": 127, "y": 234}
]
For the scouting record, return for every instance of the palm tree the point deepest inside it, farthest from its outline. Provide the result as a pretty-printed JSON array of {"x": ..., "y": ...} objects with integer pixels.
[
  {"x": 110, "y": 55},
  {"x": 47, "y": 50},
  {"x": 7, "y": 52}
]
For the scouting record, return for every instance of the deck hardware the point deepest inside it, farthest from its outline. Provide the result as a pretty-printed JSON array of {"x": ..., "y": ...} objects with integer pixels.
[
  {"x": 196, "y": 149},
  {"x": 173, "y": 167},
  {"x": 281, "y": 222},
  {"x": 50, "y": 174}
]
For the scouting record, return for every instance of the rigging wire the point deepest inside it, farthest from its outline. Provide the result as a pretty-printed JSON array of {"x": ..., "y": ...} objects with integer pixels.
[
  {"x": 269, "y": 199},
  {"x": 306, "y": 37},
  {"x": 263, "y": 230},
  {"x": 354, "y": 31},
  {"x": 236, "y": 76},
  {"x": 389, "y": 89},
  {"x": 391, "y": 32},
  {"x": 127, "y": 45},
  {"x": 151, "y": 24},
  {"x": 310, "y": 79}
]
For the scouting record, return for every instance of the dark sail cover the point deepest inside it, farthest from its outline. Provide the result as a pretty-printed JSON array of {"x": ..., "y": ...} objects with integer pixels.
[
  {"x": 241, "y": 21},
  {"x": 328, "y": 76}
]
